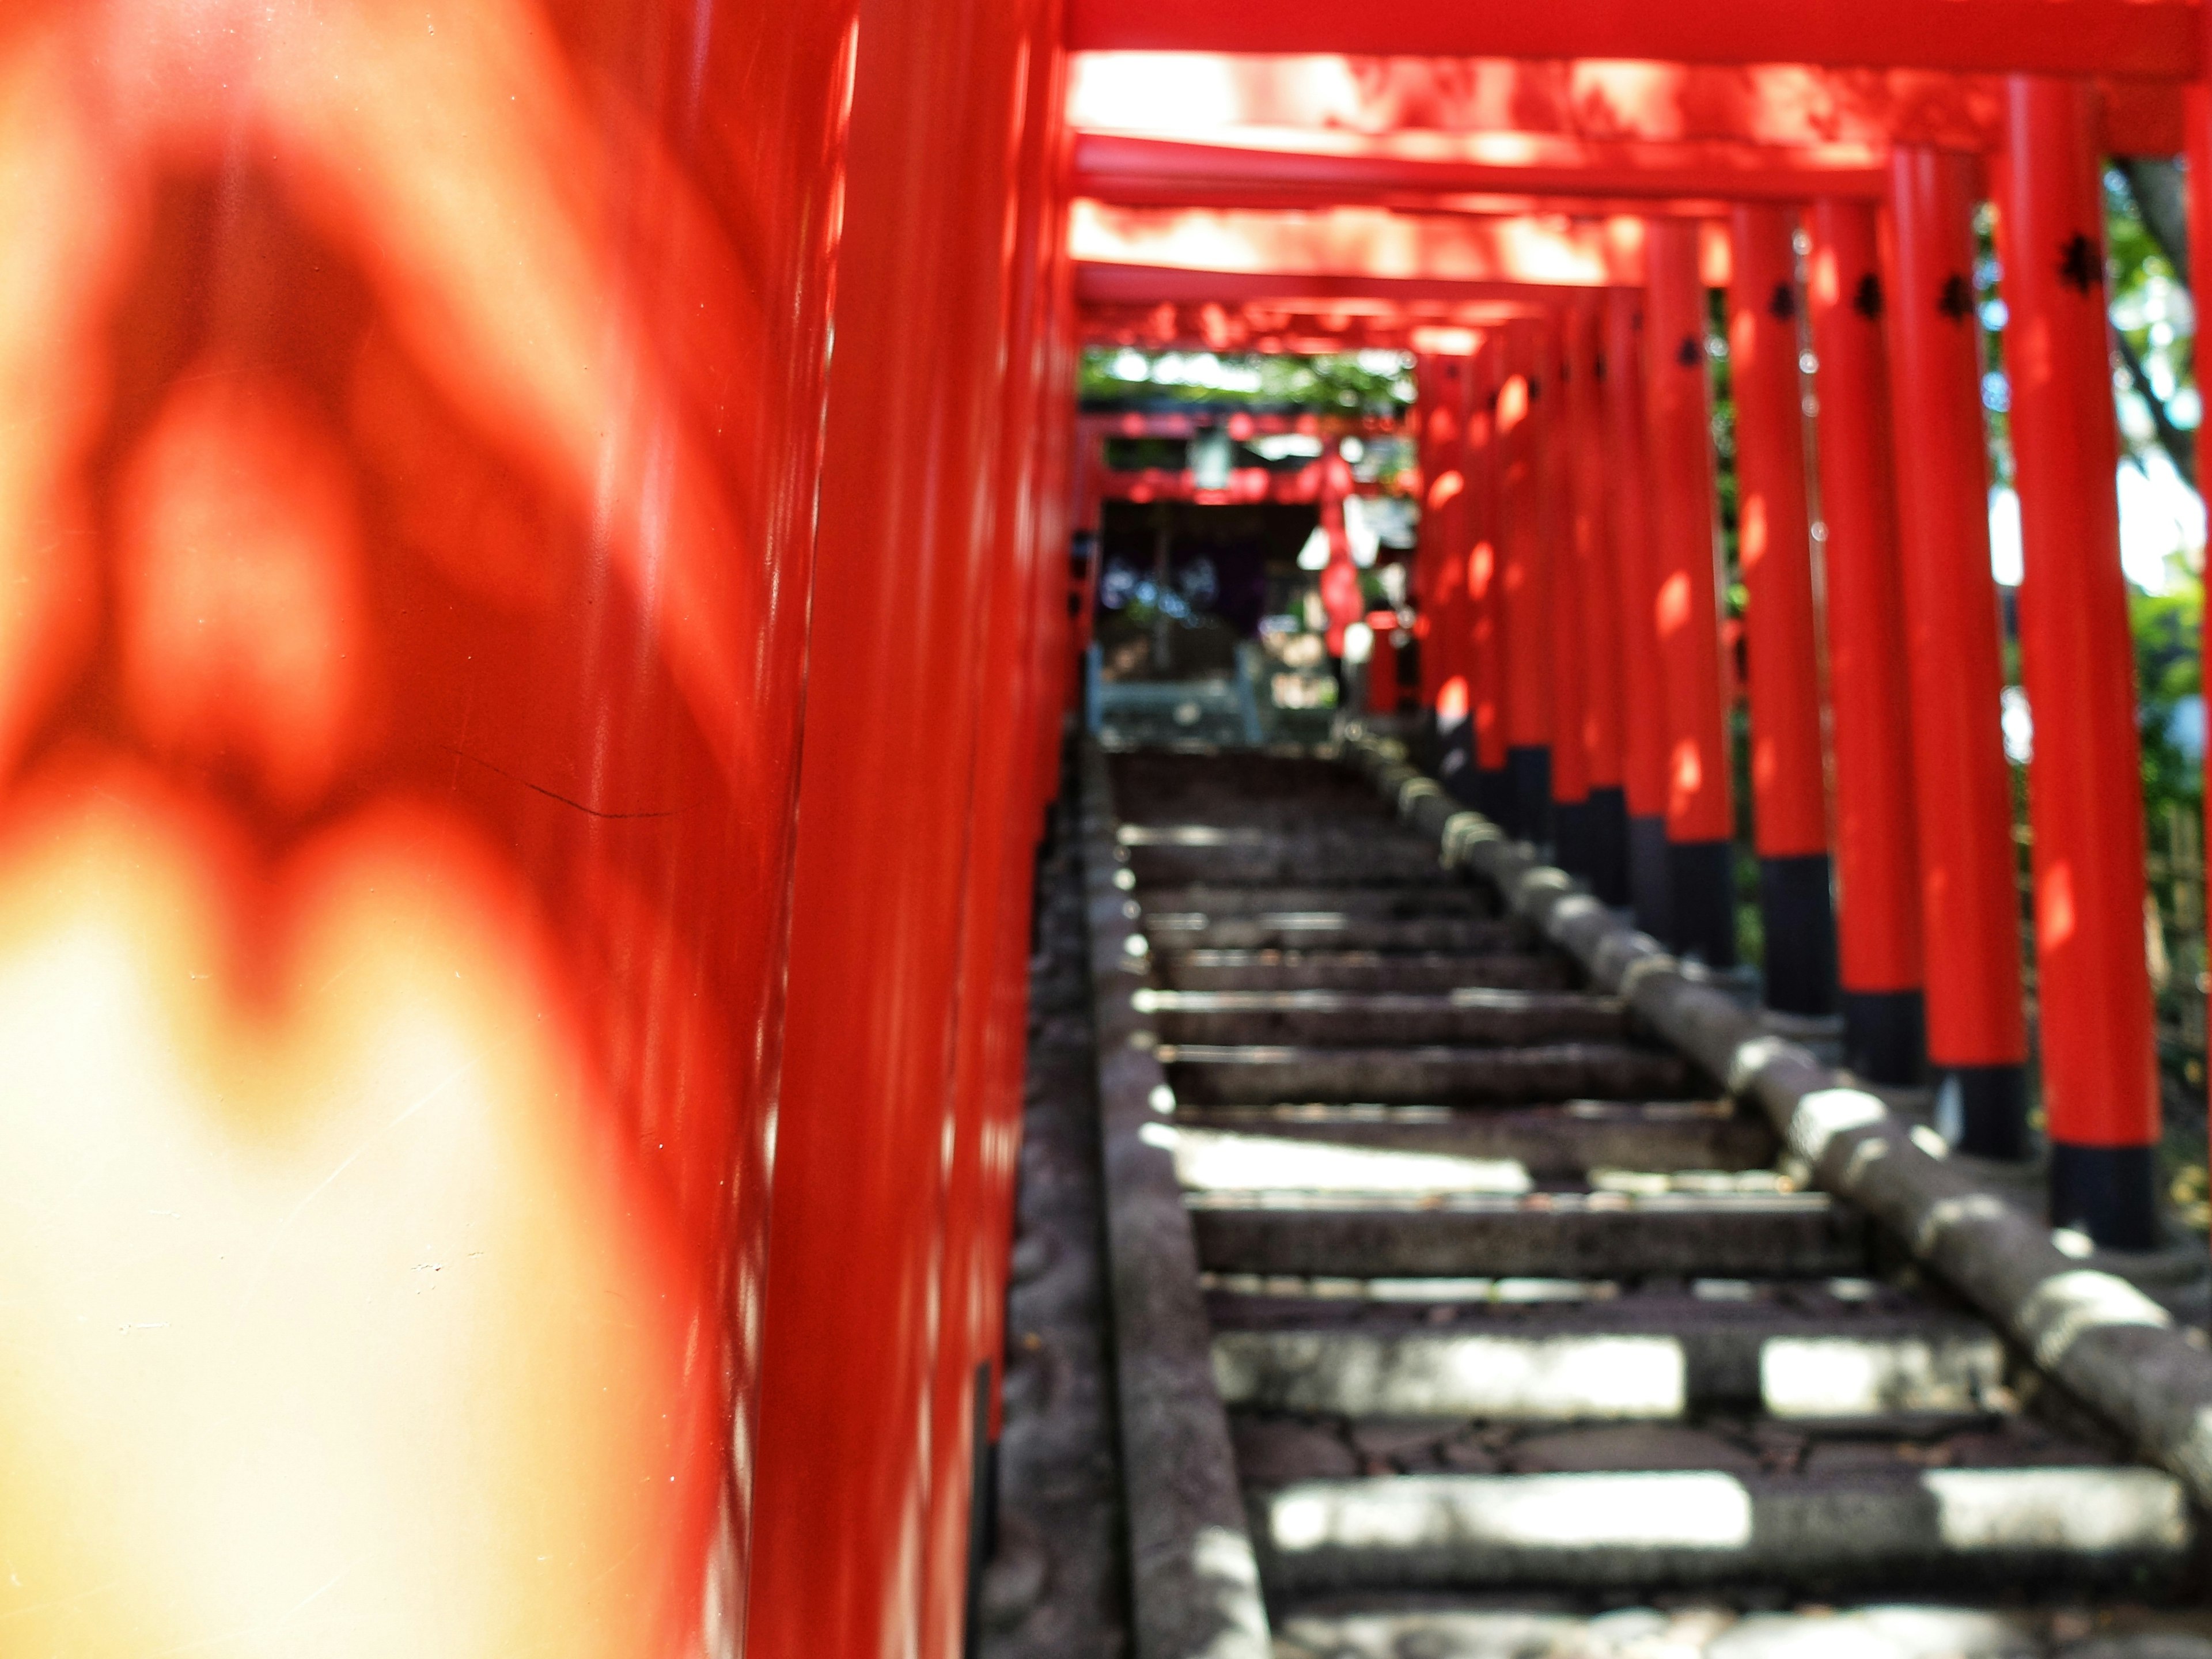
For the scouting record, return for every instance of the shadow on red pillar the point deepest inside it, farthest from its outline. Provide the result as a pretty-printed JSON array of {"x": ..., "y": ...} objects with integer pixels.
[
  {"x": 1443, "y": 393},
  {"x": 1790, "y": 806},
  {"x": 1644, "y": 689},
  {"x": 409, "y": 441},
  {"x": 846, "y": 1557},
  {"x": 1970, "y": 904},
  {"x": 1877, "y": 871},
  {"x": 1700, "y": 828},
  {"x": 2077, "y": 663}
]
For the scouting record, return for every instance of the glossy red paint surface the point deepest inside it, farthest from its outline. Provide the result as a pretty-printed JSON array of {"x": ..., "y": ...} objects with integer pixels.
[
  {"x": 1628, "y": 501},
  {"x": 1962, "y": 792},
  {"x": 2078, "y": 657},
  {"x": 1790, "y": 806},
  {"x": 1685, "y": 615},
  {"x": 406, "y": 488},
  {"x": 1877, "y": 861},
  {"x": 854, "y": 1316}
]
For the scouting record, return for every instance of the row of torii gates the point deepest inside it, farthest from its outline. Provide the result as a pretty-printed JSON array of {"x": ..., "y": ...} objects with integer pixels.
[{"x": 1554, "y": 289}]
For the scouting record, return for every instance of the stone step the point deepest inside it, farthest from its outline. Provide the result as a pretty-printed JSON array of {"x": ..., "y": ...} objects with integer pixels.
[
  {"x": 1436, "y": 1629},
  {"x": 1218, "y": 969},
  {"x": 1565, "y": 1235},
  {"x": 1371, "y": 903},
  {"x": 1347, "y": 1018},
  {"x": 1334, "y": 929},
  {"x": 1262, "y": 1074},
  {"x": 1790, "y": 1352},
  {"x": 1548, "y": 1141},
  {"x": 1205, "y": 854},
  {"x": 1884, "y": 1521}
]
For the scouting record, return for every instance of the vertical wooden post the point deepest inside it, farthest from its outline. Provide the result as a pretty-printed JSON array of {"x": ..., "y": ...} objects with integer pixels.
[
  {"x": 1970, "y": 902},
  {"x": 1597, "y": 586},
  {"x": 1644, "y": 698},
  {"x": 1524, "y": 611},
  {"x": 1701, "y": 822},
  {"x": 1556, "y": 498},
  {"x": 1885, "y": 1038},
  {"x": 2077, "y": 662}
]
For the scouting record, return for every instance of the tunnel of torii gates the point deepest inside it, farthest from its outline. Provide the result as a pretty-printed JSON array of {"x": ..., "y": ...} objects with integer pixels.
[{"x": 536, "y": 619}]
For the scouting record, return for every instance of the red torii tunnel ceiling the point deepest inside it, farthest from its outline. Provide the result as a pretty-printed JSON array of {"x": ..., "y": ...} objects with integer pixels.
[{"x": 2145, "y": 38}]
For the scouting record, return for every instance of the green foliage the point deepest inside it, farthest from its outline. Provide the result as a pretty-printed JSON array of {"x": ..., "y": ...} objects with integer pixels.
[
  {"x": 2169, "y": 629},
  {"x": 1351, "y": 383}
]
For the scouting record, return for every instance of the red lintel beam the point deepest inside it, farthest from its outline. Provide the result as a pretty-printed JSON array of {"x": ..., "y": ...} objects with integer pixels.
[
  {"x": 1104, "y": 283},
  {"x": 1282, "y": 166},
  {"x": 2153, "y": 39}
]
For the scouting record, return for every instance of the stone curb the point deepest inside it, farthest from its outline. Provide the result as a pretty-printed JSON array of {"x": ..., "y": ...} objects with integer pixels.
[
  {"x": 1194, "y": 1583},
  {"x": 2099, "y": 1337}
]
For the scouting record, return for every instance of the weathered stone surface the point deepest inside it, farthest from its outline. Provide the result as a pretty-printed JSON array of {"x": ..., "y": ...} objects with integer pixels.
[
  {"x": 1356, "y": 970},
  {"x": 1259, "y": 1075}
]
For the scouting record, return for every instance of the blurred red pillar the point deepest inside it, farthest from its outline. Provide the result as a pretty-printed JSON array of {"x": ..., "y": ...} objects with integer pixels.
[
  {"x": 2077, "y": 664},
  {"x": 1644, "y": 689},
  {"x": 1383, "y": 664},
  {"x": 1523, "y": 599},
  {"x": 1484, "y": 580},
  {"x": 852, "y": 1323},
  {"x": 1592, "y": 551},
  {"x": 1790, "y": 806},
  {"x": 1558, "y": 498},
  {"x": 1445, "y": 665},
  {"x": 1977, "y": 1032},
  {"x": 1700, "y": 825},
  {"x": 1876, "y": 843},
  {"x": 407, "y": 533}
]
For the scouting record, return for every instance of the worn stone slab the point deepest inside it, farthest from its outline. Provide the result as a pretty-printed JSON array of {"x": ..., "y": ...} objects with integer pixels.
[
  {"x": 1594, "y": 1235},
  {"x": 1374, "y": 903},
  {"x": 1548, "y": 1141},
  {"x": 1260, "y": 1074},
  {"x": 1213, "y": 969},
  {"x": 1806, "y": 1358},
  {"x": 1901, "y": 1527},
  {"x": 1381, "y": 859},
  {"x": 1352, "y": 1018},
  {"x": 1334, "y": 929}
]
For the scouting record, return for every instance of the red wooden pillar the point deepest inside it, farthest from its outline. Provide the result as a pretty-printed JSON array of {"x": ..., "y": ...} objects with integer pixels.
[
  {"x": 1523, "y": 601},
  {"x": 1790, "y": 804},
  {"x": 2077, "y": 663},
  {"x": 1644, "y": 698},
  {"x": 1597, "y": 587},
  {"x": 1700, "y": 849},
  {"x": 989, "y": 1061},
  {"x": 1485, "y": 581},
  {"x": 1557, "y": 499},
  {"x": 1877, "y": 857},
  {"x": 852, "y": 1324},
  {"x": 407, "y": 548},
  {"x": 1426, "y": 556},
  {"x": 1443, "y": 523},
  {"x": 1383, "y": 664},
  {"x": 1977, "y": 1032}
]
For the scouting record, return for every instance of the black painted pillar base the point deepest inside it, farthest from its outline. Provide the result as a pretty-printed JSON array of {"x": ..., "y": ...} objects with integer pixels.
[
  {"x": 1983, "y": 1109},
  {"x": 1571, "y": 836},
  {"x": 1493, "y": 793},
  {"x": 1609, "y": 845},
  {"x": 1454, "y": 764},
  {"x": 1886, "y": 1035},
  {"x": 1650, "y": 890},
  {"x": 1800, "y": 918},
  {"x": 1530, "y": 769},
  {"x": 1701, "y": 881},
  {"x": 2109, "y": 1192}
]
